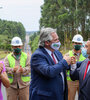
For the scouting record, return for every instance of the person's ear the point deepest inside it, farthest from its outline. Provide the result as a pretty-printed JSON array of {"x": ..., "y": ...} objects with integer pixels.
[{"x": 47, "y": 43}]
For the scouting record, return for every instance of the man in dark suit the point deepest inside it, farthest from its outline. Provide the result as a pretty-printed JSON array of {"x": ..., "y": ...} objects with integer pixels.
[
  {"x": 48, "y": 77},
  {"x": 81, "y": 72}
]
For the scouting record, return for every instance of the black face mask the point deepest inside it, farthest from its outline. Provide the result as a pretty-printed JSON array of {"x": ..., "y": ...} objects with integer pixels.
[{"x": 77, "y": 47}]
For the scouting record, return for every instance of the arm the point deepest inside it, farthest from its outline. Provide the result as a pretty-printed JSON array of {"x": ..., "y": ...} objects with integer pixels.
[
  {"x": 3, "y": 75},
  {"x": 26, "y": 69},
  {"x": 8, "y": 69},
  {"x": 40, "y": 64},
  {"x": 74, "y": 72},
  {"x": 67, "y": 55},
  {"x": 5, "y": 79}
]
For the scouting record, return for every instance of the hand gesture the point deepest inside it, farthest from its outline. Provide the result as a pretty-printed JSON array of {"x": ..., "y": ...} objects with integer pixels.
[
  {"x": 68, "y": 59},
  {"x": 21, "y": 69},
  {"x": 15, "y": 69},
  {"x": 1, "y": 67},
  {"x": 73, "y": 60}
]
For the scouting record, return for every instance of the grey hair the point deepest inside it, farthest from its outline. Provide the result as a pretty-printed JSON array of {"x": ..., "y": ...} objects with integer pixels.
[{"x": 45, "y": 35}]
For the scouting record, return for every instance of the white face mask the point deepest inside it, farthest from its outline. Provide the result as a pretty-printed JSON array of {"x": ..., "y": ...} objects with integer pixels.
[{"x": 55, "y": 46}]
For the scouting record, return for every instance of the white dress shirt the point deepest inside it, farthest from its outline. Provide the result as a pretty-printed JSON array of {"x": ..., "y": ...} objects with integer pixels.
[{"x": 88, "y": 68}]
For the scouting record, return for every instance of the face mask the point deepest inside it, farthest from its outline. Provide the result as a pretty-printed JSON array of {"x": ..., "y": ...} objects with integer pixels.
[
  {"x": 55, "y": 46},
  {"x": 77, "y": 47},
  {"x": 17, "y": 50},
  {"x": 84, "y": 52}
]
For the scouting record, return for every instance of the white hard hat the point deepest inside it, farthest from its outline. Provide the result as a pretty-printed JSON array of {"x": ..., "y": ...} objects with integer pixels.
[
  {"x": 77, "y": 38},
  {"x": 16, "y": 41}
]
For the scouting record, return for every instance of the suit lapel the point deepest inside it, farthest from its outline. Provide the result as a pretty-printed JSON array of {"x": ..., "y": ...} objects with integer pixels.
[
  {"x": 82, "y": 70},
  {"x": 47, "y": 55},
  {"x": 86, "y": 78},
  {"x": 57, "y": 56}
]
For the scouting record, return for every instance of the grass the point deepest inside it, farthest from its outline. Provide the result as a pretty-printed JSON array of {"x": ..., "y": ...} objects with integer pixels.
[{"x": 3, "y": 54}]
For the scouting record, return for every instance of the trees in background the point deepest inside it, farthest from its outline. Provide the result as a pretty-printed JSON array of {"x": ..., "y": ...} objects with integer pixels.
[
  {"x": 69, "y": 17},
  {"x": 34, "y": 39},
  {"x": 9, "y": 29}
]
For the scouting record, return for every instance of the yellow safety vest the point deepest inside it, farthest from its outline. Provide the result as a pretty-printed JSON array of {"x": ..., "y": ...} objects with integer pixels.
[
  {"x": 81, "y": 58},
  {"x": 23, "y": 58}
]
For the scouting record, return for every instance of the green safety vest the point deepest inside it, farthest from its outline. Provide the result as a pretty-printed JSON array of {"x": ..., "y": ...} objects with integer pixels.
[
  {"x": 23, "y": 58},
  {"x": 81, "y": 58}
]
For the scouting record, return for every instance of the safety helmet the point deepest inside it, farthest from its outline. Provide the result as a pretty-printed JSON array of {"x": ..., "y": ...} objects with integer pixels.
[
  {"x": 77, "y": 38},
  {"x": 16, "y": 41}
]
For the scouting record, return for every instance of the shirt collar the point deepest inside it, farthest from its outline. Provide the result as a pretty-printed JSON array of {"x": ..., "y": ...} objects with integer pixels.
[
  {"x": 15, "y": 56},
  {"x": 76, "y": 54},
  {"x": 48, "y": 51}
]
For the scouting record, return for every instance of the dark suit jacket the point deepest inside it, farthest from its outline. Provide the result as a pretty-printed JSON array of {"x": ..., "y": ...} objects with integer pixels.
[
  {"x": 46, "y": 80},
  {"x": 84, "y": 85}
]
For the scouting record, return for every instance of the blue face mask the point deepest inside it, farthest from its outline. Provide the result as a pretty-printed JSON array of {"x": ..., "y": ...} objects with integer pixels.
[{"x": 84, "y": 52}]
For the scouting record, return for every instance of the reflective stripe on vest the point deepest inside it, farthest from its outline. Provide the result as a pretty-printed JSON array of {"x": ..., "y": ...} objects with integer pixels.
[
  {"x": 23, "y": 59},
  {"x": 81, "y": 58}
]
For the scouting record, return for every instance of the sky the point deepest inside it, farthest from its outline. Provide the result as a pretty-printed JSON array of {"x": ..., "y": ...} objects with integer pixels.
[{"x": 28, "y": 12}]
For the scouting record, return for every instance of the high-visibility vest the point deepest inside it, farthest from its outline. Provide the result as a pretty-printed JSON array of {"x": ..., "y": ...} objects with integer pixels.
[
  {"x": 23, "y": 58},
  {"x": 81, "y": 58}
]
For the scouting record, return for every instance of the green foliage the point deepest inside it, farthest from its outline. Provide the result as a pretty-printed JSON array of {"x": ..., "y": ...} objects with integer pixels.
[
  {"x": 34, "y": 42},
  {"x": 5, "y": 43},
  {"x": 8, "y": 30},
  {"x": 67, "y": 16},
  {"x": 12, "y": 28},
  {"x": 2, "y": 55}
]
